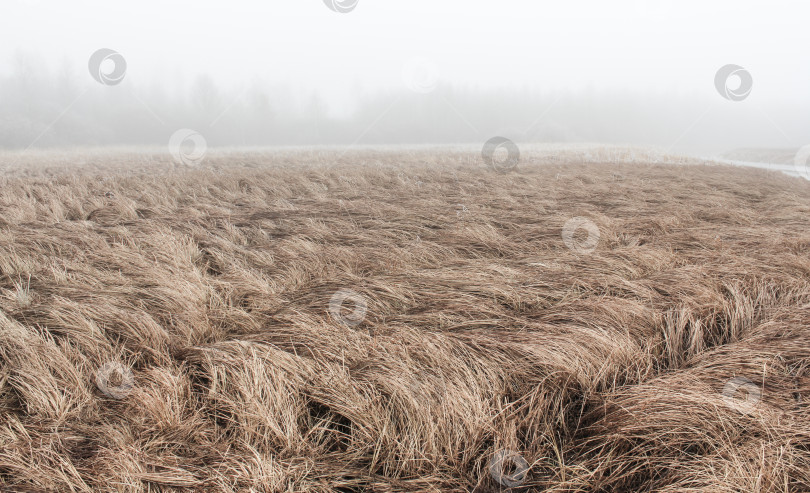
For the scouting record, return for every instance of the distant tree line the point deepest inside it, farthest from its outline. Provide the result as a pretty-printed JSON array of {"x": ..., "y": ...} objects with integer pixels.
[{"x": 60, "y": 108}]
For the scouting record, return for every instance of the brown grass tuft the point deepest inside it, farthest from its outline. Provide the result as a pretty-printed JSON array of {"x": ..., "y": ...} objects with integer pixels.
[{"x": 483, "y": 332}]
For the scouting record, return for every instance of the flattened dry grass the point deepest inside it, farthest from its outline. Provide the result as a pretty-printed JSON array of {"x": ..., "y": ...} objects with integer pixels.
[{"x": 484, "y": 332}]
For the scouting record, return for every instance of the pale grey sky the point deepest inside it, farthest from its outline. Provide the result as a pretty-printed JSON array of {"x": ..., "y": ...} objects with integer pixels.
[
  {"x": 659, "y": 48},
  {"x": 640, "y": 45}
]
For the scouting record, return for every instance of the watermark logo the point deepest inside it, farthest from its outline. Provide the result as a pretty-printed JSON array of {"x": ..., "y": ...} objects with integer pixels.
[
  {"x": 501, "y": 154},
  {"x": 741, "y": 386},
  {"x": 187, "y": 147},
  {"x": 115, "y": 380},
  {"x": 107, "y": 66},
  {"x": 357, "y": 315},
  {"x": 427, "y": 390},
  {"x": 723, "y": 82},
  {"x": 420, "y": 75},
  {"x": 800, "y": 162},
  {"x": 341, "y": 6},
  {"x": 586, "y": 246},
  {"x": 508, "y": 468}
]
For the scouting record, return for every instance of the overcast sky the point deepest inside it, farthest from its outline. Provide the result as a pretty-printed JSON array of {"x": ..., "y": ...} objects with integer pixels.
[
  {"x": 659, "y": 47},
  {"x": 646, "y": 45}
]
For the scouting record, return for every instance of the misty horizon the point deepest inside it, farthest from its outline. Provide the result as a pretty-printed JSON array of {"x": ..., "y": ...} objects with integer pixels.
[{"x": 384, "y": 74}]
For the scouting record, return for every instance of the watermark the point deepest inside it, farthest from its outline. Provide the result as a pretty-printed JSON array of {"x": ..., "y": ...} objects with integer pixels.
[
  {"x": 731, "y": 72},
  {"x": 420, "y": 75},
  {"x": 586, "y": 246},
  {"x": 493, "y": 156},
  {"x": 421, "y": 389},
  {"x": 115, "y": 380},
  {"x": 800, "y": 162},
  {"x": 505, "y": 474},
  {"x": 107, "y": 66},
  {"x": 751, "y": 397},
  {"x": 341, "y": 6},
  {"x": 187, "y": 147},
  {"x": 462, "y": 211},
  {"x": 357, "y": 315}
]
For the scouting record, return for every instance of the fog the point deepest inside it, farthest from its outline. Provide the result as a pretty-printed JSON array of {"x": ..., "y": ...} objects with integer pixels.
[{"x": 315, "y": 72}]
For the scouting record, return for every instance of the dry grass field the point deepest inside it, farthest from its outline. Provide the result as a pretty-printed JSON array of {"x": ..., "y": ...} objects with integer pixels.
[{"x": 165, "y": 328}]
